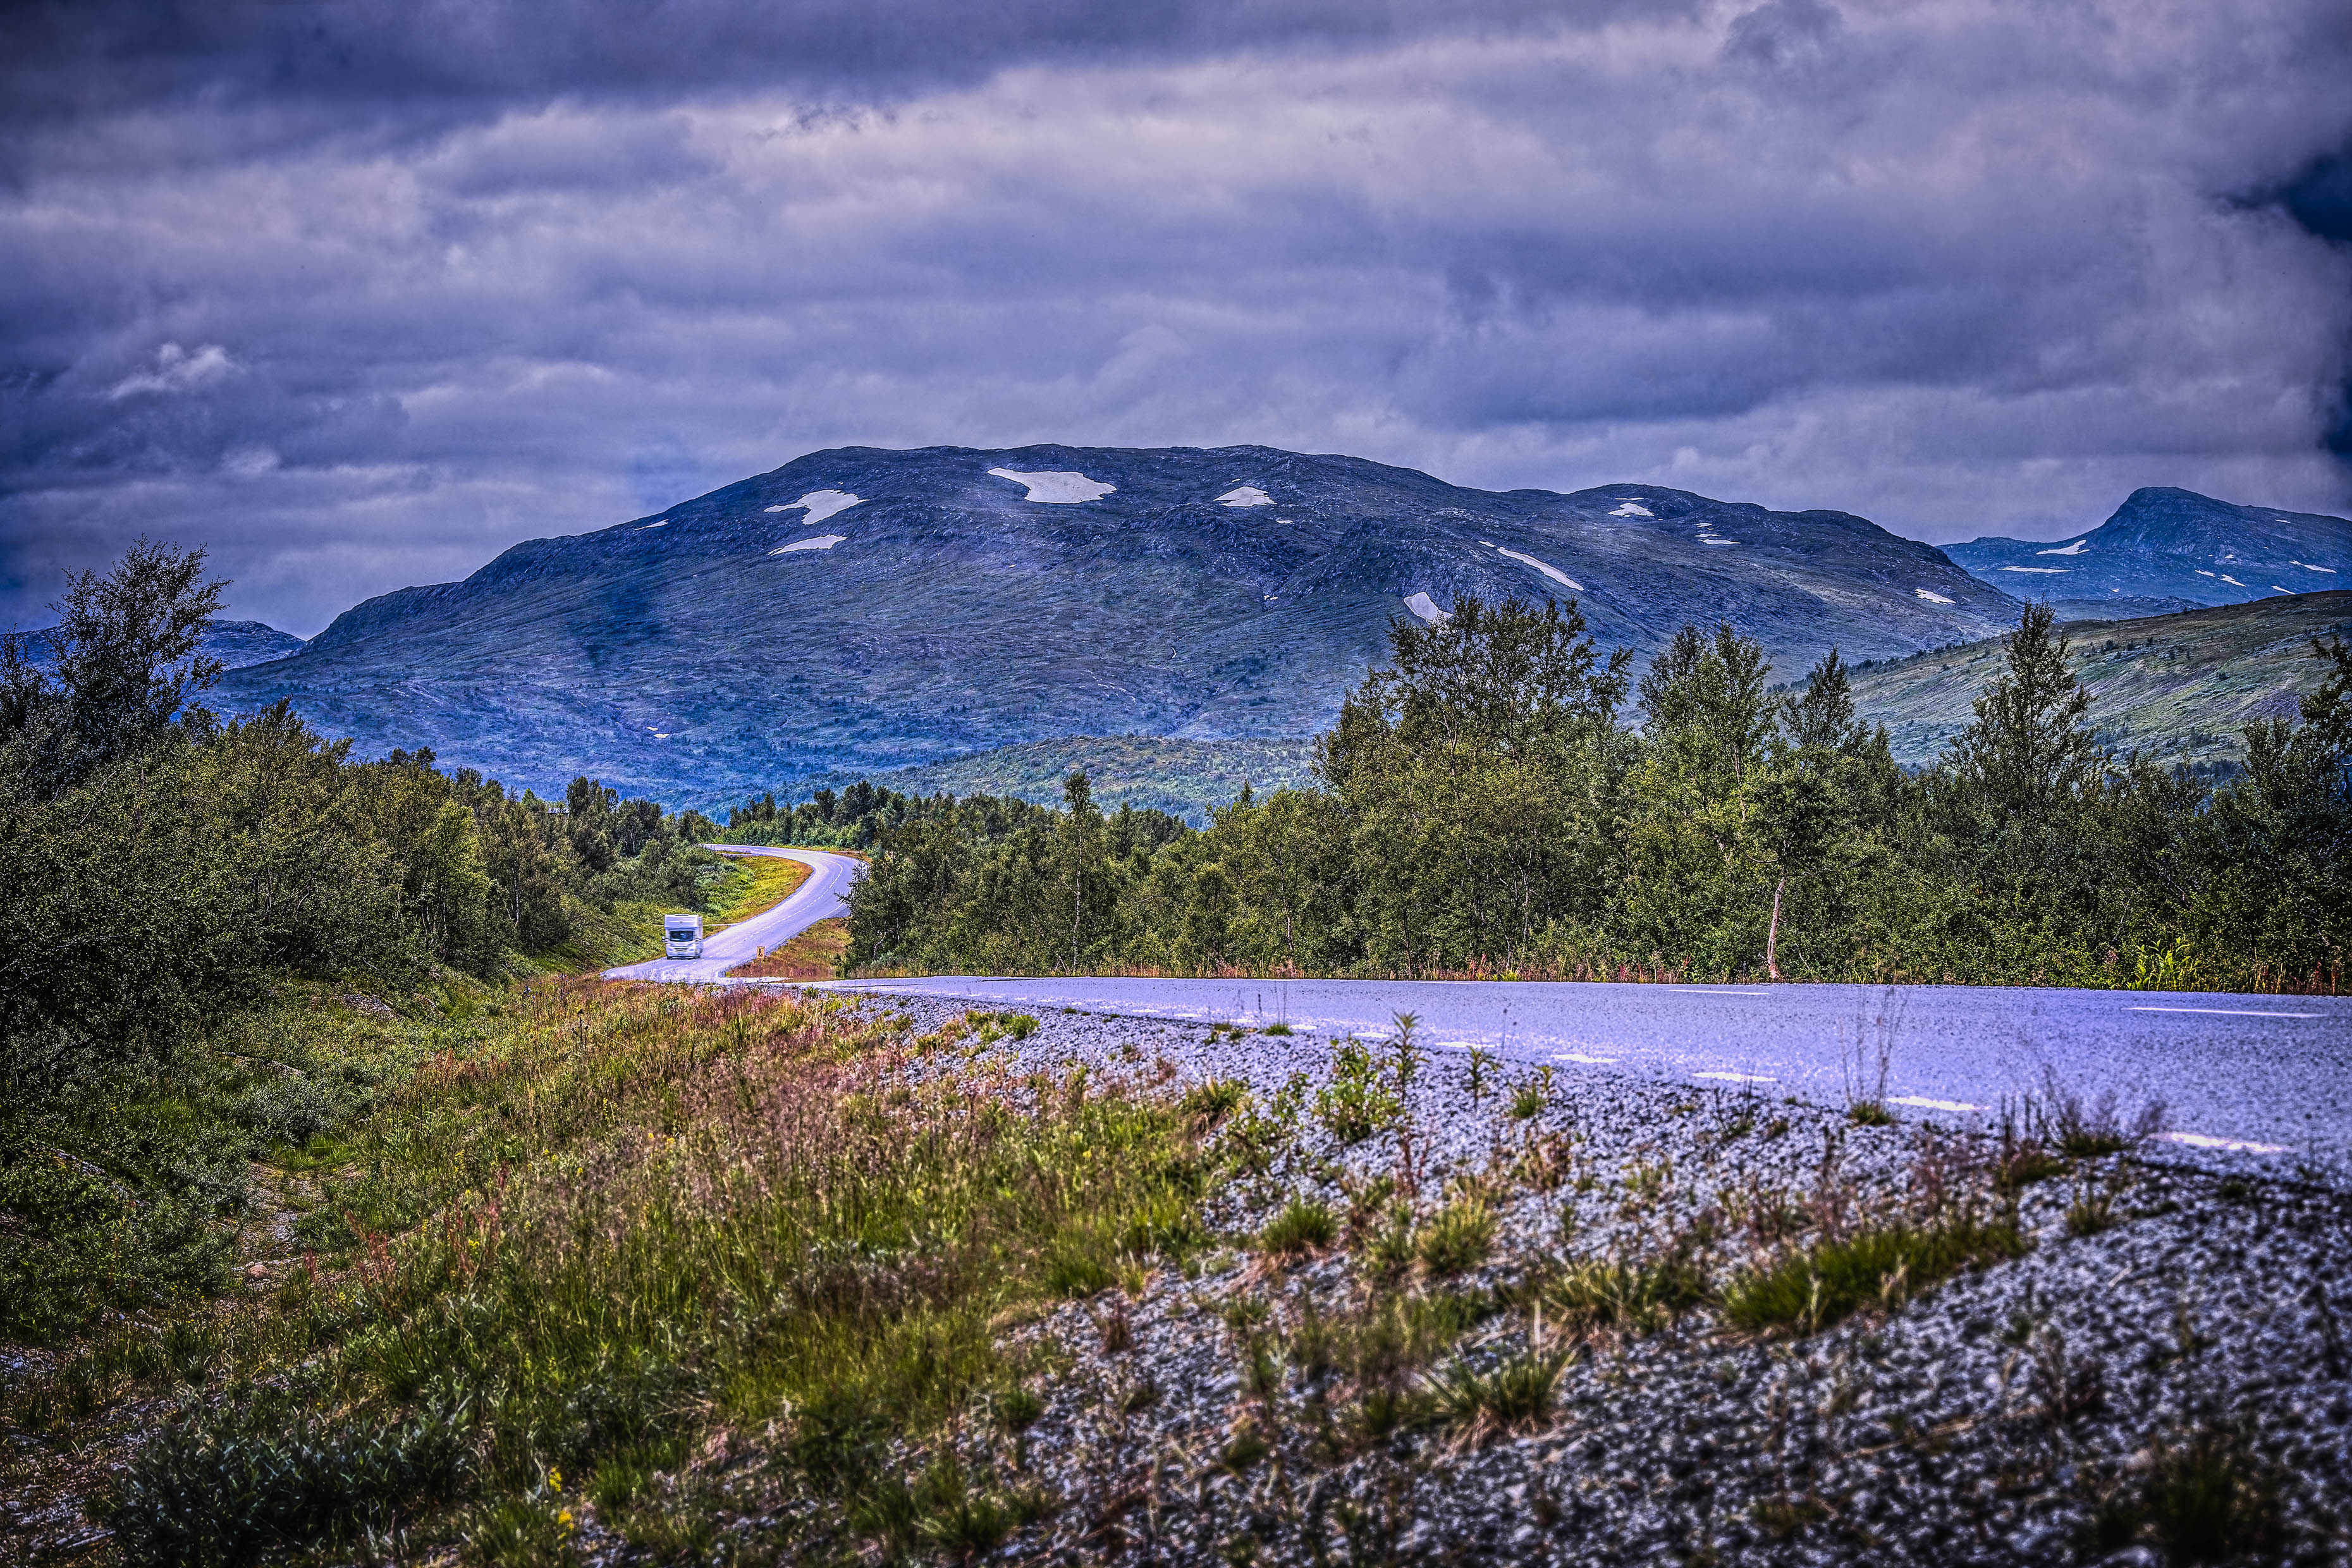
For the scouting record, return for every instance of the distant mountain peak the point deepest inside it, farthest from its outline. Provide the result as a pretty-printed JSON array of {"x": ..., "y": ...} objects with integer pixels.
[
  {"x": 2165, "y": 544},
  {"x": 236, "y": 644}
]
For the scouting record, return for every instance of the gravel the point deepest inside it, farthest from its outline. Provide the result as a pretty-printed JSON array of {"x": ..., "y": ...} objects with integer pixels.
[{"x": 2033, "y": 1410}]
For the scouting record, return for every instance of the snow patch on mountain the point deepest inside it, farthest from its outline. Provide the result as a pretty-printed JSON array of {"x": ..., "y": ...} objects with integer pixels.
[
  {"x": 821, "y": 504},
  {"x": 2043, "y": 571},
  {"x": 1546, "y": 568},
  {"x": 2309, "y": 567},
  {"x": 1424, "y": 606},
  {"x": 1632, "y": 509},
  {"x": 2075, "y": 549},
  {"x": 1242, "y": 495},
  {"x": 822, "y": 542},
  {"x": 1056, "y": 486},
  {"x": 1931, "y": 598}
]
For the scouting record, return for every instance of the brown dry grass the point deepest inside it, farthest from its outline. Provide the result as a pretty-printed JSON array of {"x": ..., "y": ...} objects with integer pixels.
[{"x": 812, "y": 955}]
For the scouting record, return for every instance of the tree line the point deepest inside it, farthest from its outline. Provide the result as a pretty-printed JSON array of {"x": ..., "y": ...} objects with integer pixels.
[
  {"x": 1480, "y": 808},
  {"x": 160, "y": 863}
]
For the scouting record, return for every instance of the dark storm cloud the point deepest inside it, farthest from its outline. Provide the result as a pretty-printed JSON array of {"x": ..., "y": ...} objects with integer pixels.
[{"x": 360, "y": 294}]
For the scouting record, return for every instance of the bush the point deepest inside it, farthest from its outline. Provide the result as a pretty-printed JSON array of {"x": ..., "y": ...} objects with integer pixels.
[{"x": 286, "y": 1110}]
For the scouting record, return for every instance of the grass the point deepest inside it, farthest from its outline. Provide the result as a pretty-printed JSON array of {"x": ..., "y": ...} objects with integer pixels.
[
  {"x": 135, "y": 1193},
  {"x": 1514, "y": 1396},
  {"x": 2204, "y": 1497},
  {"x": 1882, "y": 1266},
  {"x": 814, "y": 955},
  {"x": 2083, "y": 1127},
  {"x": 584, "y": 1236},
  {"x": 756, "y": 884},
  {"x": 1637, "y": 1298},
  {"x": 1456, "y": 1239},
  {"x": 1302, "y": 1229}
]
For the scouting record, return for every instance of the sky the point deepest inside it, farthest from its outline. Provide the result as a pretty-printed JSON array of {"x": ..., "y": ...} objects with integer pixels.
[{"x": 356, "y": 293}]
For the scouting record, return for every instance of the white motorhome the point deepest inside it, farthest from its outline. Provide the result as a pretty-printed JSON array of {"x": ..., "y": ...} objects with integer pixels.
[{"x": 682, "y": 936}]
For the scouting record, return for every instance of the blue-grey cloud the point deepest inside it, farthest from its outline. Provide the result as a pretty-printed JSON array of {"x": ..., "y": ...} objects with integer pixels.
[{"x": 359, "y": 294}]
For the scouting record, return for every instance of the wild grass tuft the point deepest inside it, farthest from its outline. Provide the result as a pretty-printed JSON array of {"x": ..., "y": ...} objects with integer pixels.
[
  {"x": 1882, "y": 1266},
  {"x": 238, "y": 1482},
  {"x": 1514, "y": 1396},
  {"x": 1303, "y": 1228},
  {"x": 1456, "y": 1239},
  {"x": 1637, "y": 1298},
  {"x": 2204, "y": 1496}
]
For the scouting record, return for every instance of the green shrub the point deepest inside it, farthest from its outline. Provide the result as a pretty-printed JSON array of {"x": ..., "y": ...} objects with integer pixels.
[
  {"x": 1358, "y": 1102},
  {"x": 286, "y": 1110}
]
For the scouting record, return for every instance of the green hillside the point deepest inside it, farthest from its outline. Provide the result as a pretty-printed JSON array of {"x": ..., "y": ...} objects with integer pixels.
[
  {"x": 1184, "y": 778},
  {"x": 2178, "y": 688}
]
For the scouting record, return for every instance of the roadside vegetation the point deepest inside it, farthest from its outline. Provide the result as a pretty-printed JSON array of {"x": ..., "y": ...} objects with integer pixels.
[
  {"x": 1480, "y": 810},
  {"x": 814, "y": 955},
  {"x": 590, "y": 1229},
  {"x": 205, "y": 917}
]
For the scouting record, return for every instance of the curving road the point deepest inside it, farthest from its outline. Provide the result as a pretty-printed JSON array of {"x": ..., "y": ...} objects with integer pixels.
[
  {"x": 2257, "y": 1076},
  {"x": 2267, "y": 1077},
  {"x": 823, "y": 895}
]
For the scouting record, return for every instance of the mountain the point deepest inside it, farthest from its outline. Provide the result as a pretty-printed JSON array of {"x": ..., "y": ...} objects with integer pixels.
[
  {"x": 2173, "y": 547},
  {"x": 235, "y": 643},
  {"x": 2179, "y": 688},
  {"x": 860, "y": 609}
]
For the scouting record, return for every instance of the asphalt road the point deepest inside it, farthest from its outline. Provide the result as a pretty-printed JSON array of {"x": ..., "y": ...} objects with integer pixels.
[
  {"x": 825, "y": 895},
  {"x": 2269, "y": 1076}
]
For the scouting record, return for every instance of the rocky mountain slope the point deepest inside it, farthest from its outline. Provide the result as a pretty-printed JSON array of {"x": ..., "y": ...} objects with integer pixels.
[
  {"x": 859, "y": 609},
  {"x": 2179, "y": 688},
  {"x": 2168, "y": 550}
]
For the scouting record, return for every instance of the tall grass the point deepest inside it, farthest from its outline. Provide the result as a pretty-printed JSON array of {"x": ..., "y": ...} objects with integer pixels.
[{"x": 640, "y": 1215}]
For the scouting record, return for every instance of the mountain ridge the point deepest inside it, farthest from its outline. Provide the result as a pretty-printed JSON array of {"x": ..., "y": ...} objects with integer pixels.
[
  {"x": 2169, "y": 544},
  {"x": 862, "y": 609}
]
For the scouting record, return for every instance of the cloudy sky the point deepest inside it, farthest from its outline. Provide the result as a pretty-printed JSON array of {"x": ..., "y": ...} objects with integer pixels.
[{"x": 359, "y": 292}]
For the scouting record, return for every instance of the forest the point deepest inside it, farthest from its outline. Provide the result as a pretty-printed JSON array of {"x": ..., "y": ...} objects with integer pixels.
[{"x": 1482, "y": 808}]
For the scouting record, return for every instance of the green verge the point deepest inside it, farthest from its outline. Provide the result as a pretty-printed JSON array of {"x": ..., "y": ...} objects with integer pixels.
[{"x": 584, "y": 1238}]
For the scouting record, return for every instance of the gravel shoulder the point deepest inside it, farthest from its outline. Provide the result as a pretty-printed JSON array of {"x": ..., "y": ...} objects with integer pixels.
[{"x": 2159, "y": 1375}]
